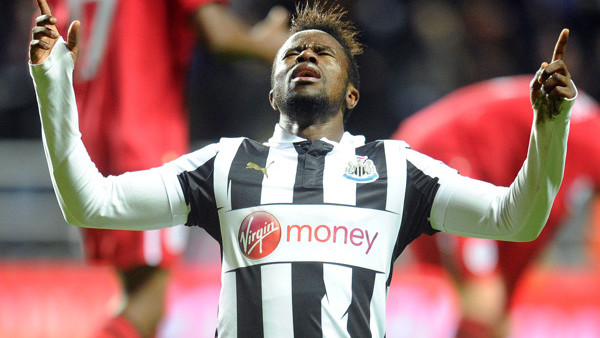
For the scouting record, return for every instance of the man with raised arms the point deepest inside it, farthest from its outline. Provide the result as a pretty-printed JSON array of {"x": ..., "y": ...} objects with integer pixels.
[{"x": 315, "y": 174}]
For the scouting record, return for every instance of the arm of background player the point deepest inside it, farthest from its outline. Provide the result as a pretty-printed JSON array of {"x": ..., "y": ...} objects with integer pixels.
[
  {"x": 134, "y": 201},
  {"x": 223, "y": 33},
  {"x": 476, "y": 209}
]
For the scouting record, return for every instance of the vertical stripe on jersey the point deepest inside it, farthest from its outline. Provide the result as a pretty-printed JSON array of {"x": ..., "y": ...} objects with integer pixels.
[
  {"x": 278, "y": 187},
  {"x": 199, "y": 193},
  {"x": 276, "y": 283},
  {"x": 337, "y": 300},
  {"x": 249, "y": 302},
  {"x": 308, "y": 290},
  {"x": 397, "y": 181},
  {"x": 338, "y": 189},
  {"x": 373, "y": 195},
  {"x": 359, "y": 312},
  {"x": 245, "y": 174},
  {"x": 378, "y": 302},
  {"x": 227, "y": 321},
  {"x": 228, "y": 148},
  {"x": 418, "y": 199},
  {"x": 308, "y": 188}
]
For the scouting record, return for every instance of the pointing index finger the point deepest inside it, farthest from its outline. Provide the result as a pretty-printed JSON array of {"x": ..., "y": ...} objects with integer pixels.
[
  {"x": 561, "y": 45},
  {"x": 44, "y": 8}
]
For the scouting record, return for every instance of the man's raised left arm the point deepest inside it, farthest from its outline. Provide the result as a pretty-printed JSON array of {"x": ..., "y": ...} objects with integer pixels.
[{"x": 474, "y": 208}]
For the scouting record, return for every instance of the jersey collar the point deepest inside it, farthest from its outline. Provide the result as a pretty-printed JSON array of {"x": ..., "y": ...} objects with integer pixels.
[{"x": 282, "y": 138}]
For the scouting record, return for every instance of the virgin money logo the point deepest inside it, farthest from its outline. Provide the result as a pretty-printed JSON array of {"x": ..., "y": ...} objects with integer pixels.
[{"x": 259, "y": 235}]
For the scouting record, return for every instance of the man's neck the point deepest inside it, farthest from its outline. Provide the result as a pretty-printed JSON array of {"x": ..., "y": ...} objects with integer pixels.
[{"x": 332, "y": 129}]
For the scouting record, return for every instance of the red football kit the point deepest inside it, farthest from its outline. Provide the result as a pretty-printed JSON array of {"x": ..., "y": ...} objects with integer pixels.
[
  {"x": 482, "y": 130},
  {"x": 129, "y": 88}
]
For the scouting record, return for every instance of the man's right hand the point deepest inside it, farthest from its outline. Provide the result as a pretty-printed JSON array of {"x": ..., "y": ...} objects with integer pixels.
[{"x": 45, "y": 35}]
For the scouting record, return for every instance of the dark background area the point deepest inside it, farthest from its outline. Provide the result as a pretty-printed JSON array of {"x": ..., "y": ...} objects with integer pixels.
[{"x": 416, "y": 51}]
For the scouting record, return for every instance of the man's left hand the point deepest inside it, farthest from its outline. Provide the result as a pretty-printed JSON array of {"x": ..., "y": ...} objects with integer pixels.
[{"x": 552, "y": 82}]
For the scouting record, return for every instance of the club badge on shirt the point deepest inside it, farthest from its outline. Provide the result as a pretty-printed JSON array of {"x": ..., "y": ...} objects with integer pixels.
[{"x": 361, "y": 170}]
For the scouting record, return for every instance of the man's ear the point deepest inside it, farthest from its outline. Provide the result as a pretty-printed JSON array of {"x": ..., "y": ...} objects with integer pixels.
[
  {"x": 272, "y": 100},
  {"x": 352, "y": 96}
]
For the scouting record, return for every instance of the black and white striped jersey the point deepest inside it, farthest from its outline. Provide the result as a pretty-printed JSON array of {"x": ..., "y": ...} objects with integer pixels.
[{"x": 308, "y": 230}]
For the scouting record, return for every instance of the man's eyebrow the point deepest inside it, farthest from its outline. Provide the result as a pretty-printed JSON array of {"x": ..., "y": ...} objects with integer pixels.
[
  {"x": 316, "y": 48},
  {"x": 321, "y": 48}
]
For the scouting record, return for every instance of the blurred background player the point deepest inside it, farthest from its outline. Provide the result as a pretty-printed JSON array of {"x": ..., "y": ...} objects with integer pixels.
[
  {"x": 134, "y": 118},
  {"x": 482, "y": 130}
]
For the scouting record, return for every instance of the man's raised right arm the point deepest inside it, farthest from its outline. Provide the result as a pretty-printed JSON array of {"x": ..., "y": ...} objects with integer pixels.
[{"x": 134, "y": 201}]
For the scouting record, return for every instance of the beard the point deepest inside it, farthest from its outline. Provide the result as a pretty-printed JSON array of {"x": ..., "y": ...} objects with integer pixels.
[{"x": 309, "y": 109}]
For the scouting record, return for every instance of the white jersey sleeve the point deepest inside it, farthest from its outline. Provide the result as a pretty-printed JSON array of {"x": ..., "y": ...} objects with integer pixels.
[
  {"x": 473, "y": 208},
  {"x": 134, "y": 201}
]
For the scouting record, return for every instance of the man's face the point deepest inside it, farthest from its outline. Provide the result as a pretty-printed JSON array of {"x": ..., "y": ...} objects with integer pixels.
[{"x": 310, "y": 76}]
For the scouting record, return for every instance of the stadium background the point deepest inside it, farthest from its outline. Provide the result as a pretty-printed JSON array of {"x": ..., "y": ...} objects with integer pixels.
[{"x": 417, "y": 51}]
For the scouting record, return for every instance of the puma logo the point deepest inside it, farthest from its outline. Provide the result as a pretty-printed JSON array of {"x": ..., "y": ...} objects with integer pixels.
[{"x": 251, "y": 165}]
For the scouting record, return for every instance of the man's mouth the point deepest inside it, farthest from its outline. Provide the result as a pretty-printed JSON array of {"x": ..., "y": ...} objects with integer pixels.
[{"x": 305, "y": 73}]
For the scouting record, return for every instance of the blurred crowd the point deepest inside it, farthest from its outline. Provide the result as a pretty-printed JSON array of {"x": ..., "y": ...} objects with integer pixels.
[{"x": 416, "y": 51}]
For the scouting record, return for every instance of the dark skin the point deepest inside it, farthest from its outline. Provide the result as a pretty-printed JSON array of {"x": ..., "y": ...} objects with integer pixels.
[
  {"x": 309, "y": 63},
  {"x": 45, "y": 35},
  {"x": 552, "y": 82},
  {"x": 321, "y": 52}
]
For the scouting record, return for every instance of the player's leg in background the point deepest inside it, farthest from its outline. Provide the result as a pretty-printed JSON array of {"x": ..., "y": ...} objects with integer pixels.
[
  {"x": 482, "y": 288},
  {"x": 145, "y": 288},
  {"x": 142, "y": 260},
  {"x": 472, "y": 263}
]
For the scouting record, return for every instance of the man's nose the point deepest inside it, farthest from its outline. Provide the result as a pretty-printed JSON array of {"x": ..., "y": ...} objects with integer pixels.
[{"x": 307, "y": 55}]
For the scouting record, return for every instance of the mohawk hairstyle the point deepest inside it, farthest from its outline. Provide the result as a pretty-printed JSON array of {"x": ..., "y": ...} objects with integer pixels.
[{"x": 330, "y": 19}]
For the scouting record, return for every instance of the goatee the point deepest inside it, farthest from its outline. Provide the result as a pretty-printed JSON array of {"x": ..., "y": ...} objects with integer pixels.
[{"x": 309, "y": 110}]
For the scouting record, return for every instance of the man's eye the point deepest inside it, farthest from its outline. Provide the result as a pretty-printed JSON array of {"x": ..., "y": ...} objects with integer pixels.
[
  {"x": 288, "y": 54},
  {"x": 325, "y": 53}
]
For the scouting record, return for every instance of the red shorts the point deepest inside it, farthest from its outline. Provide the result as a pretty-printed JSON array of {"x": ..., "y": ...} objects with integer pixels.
[
  {"x": 469, "y": 258},
  {"x": 128, "y": 249}
]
